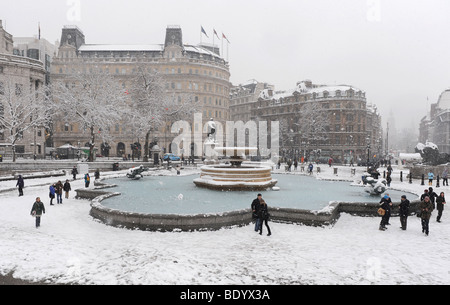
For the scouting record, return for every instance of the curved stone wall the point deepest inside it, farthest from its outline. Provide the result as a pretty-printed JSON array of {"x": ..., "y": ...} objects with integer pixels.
[{"x": 159, "y": 222}]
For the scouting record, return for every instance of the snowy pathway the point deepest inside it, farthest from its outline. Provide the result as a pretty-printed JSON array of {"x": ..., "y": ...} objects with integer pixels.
[{"x": 71, "y": 247}]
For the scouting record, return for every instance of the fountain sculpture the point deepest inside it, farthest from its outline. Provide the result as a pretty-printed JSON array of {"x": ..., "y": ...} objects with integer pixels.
[{"x": 233, "y": 175}]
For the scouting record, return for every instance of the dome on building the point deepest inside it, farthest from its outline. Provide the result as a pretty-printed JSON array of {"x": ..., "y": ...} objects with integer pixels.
[{"x": 444, "y": 100}]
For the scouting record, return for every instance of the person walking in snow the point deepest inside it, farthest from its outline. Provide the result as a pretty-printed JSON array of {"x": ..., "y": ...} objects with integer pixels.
[
  {"x": 74, "y": 173},
  {"x": 87, "y": 180},
  {"x": 264, "y": 216},
  {"x": 58, "y": 191},
  {"x": 37, "y": 210},
  {"x": 386, "y": 204},
  {"x": 388, "y": 179},
  {"x": 51, "y": 194},
  {"x": 404, "y": 212},
  {"x": 445, "y": 177},
  {"x": 432, "y": 196},
  {"x": 440, "y": 201},
  {"x": 430, "y": 178},
  {"x": 310, "y": 168},
  {"x": 67, "y": 188},
  {"x": 426, "y": 207},
  {"x": 20, "y": 183},
  {"x": 256, "y": 205}
]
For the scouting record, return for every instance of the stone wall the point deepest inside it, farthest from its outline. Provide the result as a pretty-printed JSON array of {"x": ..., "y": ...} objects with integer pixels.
[{"x": 158, "y": 222}]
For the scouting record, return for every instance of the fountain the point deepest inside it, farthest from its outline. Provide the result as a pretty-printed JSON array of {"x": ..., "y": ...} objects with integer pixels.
[{"x": 235, "y": 175}]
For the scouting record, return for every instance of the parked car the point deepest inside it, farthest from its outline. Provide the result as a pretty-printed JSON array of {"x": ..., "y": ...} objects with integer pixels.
[{"x": 171, "y": 157}]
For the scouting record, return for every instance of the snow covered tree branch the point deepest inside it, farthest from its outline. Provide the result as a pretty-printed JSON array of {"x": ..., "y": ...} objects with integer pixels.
[
  {"x": 94, "y": 101},
  {"x": 22, "y": 109}
]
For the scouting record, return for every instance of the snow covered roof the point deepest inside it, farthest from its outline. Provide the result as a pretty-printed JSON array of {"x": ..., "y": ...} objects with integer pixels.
[
  {"x": 140, "y": 48},
  {"x": 303, "y": 89},
  {"x": 112, "y": 48},
  {"x": 444, "y": 100}
]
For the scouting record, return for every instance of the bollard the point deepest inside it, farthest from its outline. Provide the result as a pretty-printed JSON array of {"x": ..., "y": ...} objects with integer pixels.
[
  {"x": 335, "y": 171},
  {"x": 410, "y": 178},
  {"x": 437, "y": 181},
  {"x": 401, "y": 176},
  {"x": 423, "y": 179}
]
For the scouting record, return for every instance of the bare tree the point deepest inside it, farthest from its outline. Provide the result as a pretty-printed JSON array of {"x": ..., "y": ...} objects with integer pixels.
[
  {"x": 94, "y": 101},
  {"x": 22, "y": 109},
  {"x": 313, "y": 124},
  {"x": 154, "y": 107}
]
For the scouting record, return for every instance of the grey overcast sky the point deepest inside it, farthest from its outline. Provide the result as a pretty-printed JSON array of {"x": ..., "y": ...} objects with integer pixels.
[{"x": 397, "y": 51}]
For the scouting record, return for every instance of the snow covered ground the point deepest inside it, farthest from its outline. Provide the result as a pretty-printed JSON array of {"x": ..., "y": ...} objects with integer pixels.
[{"x": 71, "y": 247}]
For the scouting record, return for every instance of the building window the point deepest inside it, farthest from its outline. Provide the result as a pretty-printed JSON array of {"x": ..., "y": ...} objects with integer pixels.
[{"x": 19, "y": 89}]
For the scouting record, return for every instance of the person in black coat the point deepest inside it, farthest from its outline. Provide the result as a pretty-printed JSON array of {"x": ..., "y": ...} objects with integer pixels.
[
  {"x": 20, "y": 183},
  {"x": 432, "y": 196},
  {"x": 404, "y": 211},
  {"x": 386, "y": 204},
  {"x": 256, "y": 204},
  {"x": 440, "y": 201},
  {"x": 264, "y": 216}
]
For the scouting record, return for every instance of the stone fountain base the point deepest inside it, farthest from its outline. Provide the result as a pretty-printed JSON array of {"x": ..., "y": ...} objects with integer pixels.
[{"x": 245, "y": 177}]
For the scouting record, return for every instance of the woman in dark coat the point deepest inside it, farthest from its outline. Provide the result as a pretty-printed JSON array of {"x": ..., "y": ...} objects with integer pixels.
[
  {"x": 264, "y": 216},
  {"x": 440, "y": 201}
]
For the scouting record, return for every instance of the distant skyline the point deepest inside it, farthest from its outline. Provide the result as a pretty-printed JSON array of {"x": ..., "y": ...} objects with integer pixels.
[{"x": 397, "y": 51}]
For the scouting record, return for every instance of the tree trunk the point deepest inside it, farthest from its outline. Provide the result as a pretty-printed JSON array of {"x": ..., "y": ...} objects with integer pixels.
[
  {"x": 91, "y": 145},
  {"x": 14, "y": 152},
  {"x": 146, "y": 148}
]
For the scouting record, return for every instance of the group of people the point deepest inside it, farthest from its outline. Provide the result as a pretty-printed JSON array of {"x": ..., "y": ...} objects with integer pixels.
[
  {"x": 260, "y": 213},
  {"x": 428, "y": 202},
  {"x": 57, "y": 189}
]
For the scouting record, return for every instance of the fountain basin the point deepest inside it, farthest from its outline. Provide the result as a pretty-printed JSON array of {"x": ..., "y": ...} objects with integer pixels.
[
  {"x": 245, "y": 177},
  {"x": 154, "y": 203}
]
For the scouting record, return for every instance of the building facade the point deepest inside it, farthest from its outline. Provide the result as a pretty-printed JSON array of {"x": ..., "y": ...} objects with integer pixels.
[
  {"x": 435, "y": 126},
  {"x": 36, "y": 48},
  {"x": 244, "y": 97},
  {"x": 25, "y": 75},
  {"x": 198, "y": 71},
  {"x": 320, "y": 121}
]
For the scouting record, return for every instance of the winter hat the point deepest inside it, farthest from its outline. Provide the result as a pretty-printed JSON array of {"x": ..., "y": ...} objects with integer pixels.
[{"x": 404, "y": 196}]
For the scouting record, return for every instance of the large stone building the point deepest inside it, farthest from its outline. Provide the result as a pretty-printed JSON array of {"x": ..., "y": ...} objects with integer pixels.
[
  {"x": 435, "y": 126},
  {"x": 198, "y": 71},
  {"x": 25, "y": 75},
  {"x": 36, "y": 48},
  {"x": 243, "y": 98},
  {"x": 319, "y": 122}
]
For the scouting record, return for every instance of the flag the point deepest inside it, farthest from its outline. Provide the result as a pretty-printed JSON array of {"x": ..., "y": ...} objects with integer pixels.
[
  {"x": 39, "y": 31},
  {"x": 204, "y": 32},
  {"x": 223, "y": 35},
  {"x": 215, "y": 33}
]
